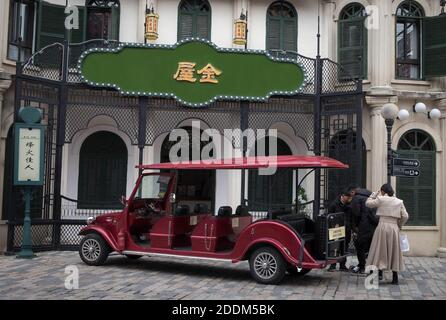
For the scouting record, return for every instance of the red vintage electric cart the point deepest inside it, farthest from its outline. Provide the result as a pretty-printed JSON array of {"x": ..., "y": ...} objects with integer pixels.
[{"x": 154, "y": 223}]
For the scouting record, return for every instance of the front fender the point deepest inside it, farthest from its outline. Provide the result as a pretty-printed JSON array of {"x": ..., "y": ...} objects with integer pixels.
[
  {"x": 103, "y": 233},
  {"x": 274, "y": 233}
]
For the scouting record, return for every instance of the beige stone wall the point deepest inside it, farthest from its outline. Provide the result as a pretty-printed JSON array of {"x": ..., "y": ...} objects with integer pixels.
[
  {"x": 423, "y": 241},
  {"x": 382, "y": 87}
]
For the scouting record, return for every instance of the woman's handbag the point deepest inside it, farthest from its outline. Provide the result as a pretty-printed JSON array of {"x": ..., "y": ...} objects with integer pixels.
[{"x": 404, "y": 242}]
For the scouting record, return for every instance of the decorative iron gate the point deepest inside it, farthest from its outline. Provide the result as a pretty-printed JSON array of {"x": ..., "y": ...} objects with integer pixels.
[{"x": 326, "y": 107}]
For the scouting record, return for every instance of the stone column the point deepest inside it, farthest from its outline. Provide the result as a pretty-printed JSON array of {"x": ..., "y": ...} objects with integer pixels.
[
  {"x": 5, "y": 83},
  {"x": 441, "y": 252},
  {"x": 379, "y": 138},
  {"x": 381, "y": 45}
]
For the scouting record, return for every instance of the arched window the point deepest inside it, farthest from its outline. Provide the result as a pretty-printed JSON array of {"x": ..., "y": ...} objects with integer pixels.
[
  {"x": 192, "y": 185},
  {"x": 102, "y": 171},
  {"x": 418, "y": 193},
  {"x": 194, "y": 19},
  {"x": 408, "y": 40},
  {"x": 352, "y": 41},
  {"x": 103, "y": 19},
  {"x": 271, "y": 191},
  {"x": 281, "y": 27}
]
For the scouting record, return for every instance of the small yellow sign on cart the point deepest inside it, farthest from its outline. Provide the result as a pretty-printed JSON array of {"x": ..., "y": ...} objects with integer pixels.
[{"x": 336, "y": 233}]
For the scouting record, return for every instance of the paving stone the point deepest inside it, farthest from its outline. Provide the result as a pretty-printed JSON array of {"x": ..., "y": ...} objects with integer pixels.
[{"x": 167, "y": 278}]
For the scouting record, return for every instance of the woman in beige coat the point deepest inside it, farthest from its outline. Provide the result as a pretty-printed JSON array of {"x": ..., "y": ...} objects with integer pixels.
[{"x": 385, "y": 252}]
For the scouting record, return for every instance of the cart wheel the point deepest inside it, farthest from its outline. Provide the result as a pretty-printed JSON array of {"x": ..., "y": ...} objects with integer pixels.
[
  {"x": 133, "y": 256},
  {"x": 293, "y": 271},
  {"x": 267, "y": 265},
  {"x": 94, "y": 249}
]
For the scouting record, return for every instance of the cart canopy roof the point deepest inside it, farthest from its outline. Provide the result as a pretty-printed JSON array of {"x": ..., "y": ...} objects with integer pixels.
[{"x": 297, "y": 161}]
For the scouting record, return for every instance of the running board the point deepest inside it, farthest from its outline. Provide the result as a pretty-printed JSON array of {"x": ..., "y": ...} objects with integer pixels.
[{"x": 141, "y": 253}]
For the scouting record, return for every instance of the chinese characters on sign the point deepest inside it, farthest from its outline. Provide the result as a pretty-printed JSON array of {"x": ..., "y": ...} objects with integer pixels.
[
  {"x": 29, "y": 154},
  {"x": 209, "y": 73},
  {"x": 186, "y": 72}
]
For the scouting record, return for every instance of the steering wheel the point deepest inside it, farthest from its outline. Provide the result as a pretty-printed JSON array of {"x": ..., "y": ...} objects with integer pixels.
[{"x": 150, "y": 207}]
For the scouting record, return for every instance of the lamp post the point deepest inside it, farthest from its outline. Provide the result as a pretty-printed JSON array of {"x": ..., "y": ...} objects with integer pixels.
[{"x": 389, "y": 112}]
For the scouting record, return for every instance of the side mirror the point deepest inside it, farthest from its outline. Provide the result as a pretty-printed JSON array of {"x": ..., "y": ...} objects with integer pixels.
[
  {"x": 123, "y": 200},
  {"x": 172, "y": 197}
]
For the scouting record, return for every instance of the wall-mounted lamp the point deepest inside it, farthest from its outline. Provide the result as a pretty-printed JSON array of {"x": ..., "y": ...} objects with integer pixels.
[
  {"x": 403, "y": 115},
  {"x": 434, "y": 114},
  {"x": 151, "y": 24},
  {"x": 240, "y": 30},
  {"x": 420, "y": 107}
]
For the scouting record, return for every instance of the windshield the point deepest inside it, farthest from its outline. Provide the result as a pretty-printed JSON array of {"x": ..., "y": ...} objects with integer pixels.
[{"x": 153, "y": 187}]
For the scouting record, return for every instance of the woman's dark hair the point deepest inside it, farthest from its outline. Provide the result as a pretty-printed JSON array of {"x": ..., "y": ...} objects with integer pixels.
[{"x": 387, "y": 188}]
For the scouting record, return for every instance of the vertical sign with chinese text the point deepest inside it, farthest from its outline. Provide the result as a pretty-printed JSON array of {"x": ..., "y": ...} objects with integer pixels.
[{"x": 29, "y": 150}]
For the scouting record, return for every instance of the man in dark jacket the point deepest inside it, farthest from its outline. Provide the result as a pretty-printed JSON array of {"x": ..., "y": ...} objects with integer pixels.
[
  {"x": 342, "y": 204},
  {"x": 364, "y": 224}
]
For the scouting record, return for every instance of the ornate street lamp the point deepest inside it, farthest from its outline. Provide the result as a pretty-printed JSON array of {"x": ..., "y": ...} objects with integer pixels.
[
  {"x": 151, "y": 24},
  {"x": 240, "y": 30},
  {"x": 390, "y": 112}
]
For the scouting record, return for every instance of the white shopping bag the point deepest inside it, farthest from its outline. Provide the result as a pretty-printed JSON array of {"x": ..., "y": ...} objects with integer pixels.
[{"x": 404, "y": 242}]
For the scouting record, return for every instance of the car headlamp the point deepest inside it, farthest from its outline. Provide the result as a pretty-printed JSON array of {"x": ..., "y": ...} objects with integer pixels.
[{"x": 90, "y": 220}]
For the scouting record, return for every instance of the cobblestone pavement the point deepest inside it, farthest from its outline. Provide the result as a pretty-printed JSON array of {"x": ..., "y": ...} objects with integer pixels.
[{"x": 168, "y": 278}]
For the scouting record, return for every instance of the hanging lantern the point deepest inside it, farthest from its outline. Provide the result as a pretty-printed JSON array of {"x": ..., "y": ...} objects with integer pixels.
[
  {"x": 240, "y": 30},
  {"x": 151, "y": 32}
]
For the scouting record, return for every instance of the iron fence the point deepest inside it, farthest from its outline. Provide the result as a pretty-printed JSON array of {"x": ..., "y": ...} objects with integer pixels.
[
  {"x": 328, "y": 107},
  {"x": 46, "y": 234}
]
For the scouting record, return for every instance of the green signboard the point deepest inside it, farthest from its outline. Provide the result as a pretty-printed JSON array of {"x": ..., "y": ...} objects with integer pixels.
[
  {"x": 194, "y": 72},
  {"x": 29, "y": 148}
]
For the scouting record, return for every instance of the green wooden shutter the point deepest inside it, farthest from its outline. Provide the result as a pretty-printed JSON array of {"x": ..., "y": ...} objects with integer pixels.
[
  {"x": 185, "y": 25},
  {"x": 352, "y": 44},
  {"x": 273, "y": 34},
  {"x": 419, "y": 193},
  {"x": 426, "y": 188},
  {"x": 434, "y": 46},
  {"x": 114, "y": 29},
  {"x": 202, "y": 26},
  {"x": 289, "y": 35},
  {"x": 51, "y": 27}
]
